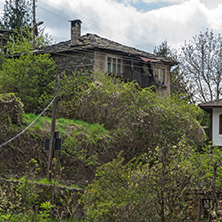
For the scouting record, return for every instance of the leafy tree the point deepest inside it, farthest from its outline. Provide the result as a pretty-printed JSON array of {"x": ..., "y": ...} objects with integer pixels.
[
  {"x": 178, "y": 82},
  {"x": 136, "y": 118},
  {"x": 17, "y": 14},
  {"x": 71, "y": 89},
  {"x": 201, "y": 62},
  {"x": 149, "y": 188},
  {"x": 21, "y": 41},
  {"x": 31, "y": 78}
]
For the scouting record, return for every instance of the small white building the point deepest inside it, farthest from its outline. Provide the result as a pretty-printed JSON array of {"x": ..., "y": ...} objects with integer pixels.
[{"x": 215, "y": 109}]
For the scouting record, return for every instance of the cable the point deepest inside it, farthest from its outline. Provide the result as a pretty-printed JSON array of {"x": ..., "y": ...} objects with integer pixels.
[
  {"x": 89, "y": 64},
  {"x": 102, "y": 28},
  {"x": 29, "y": 124}
]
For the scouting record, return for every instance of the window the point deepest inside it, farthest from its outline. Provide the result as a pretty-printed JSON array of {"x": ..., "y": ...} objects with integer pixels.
[
  {"x": 160, "y": 75},
  {"x": 114, "y": 65},
  {"x": 220, "y": 124}
]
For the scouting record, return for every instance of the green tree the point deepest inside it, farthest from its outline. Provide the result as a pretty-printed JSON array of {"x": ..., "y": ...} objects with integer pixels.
[
  {"x": 151, "y": 188},
  {"x": 178, "y": 83},
  {"x": 137, "y": 118},
  {"x": 208, "y": 174},
  {"x": 31, "y": 78},
  {"x": 71, "y": 90},
  {"x": 21, "y": 41},
  {"x": 163, "y": 50},
  {"x": 17, "y": 14}
]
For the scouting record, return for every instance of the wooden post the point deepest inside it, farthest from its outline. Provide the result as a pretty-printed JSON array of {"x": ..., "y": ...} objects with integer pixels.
[
  {"x": 34, "y": 26},
  {"x": 214, "y": 194},
  {"x": 53, "y": 125}
]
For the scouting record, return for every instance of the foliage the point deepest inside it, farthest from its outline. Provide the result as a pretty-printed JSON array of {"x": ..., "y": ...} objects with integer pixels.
[
  {"x": 30, "y": 77},
  {"x": 149, "y": 188},
  {"x": 46, "y": 208},
  {"x": 71, "y": 88},
  {"x": 11, "y": 110},
  {"x": 205, "y": 162},
  {"x": 163, "y": 50},
  {"x": 107, "y": 100},
  {"x": 17, "y": 14},
  {"x": 2, "y": 60},
  {"x": 22, "y": 200},
  {"x": 200, "y": 61},
  {"x": 138, "y": 118},
  {"x": 85, "y": 147},
  {"x": 178, "y": 83},
  {"x": 21, "y": 41}
]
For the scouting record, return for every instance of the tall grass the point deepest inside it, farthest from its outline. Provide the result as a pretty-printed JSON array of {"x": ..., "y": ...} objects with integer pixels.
[{"x": 62, "y": 124}]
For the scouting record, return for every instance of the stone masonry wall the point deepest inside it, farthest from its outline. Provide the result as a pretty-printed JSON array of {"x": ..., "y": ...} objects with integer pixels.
[{"x": 74, "y": 62}]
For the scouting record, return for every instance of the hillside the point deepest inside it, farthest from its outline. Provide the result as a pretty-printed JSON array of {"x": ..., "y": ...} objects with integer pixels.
[{"x": 123, "y": 141}]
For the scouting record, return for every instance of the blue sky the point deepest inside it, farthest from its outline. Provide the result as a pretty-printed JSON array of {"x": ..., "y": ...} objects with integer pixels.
[
  {"x": 145, "y": 7},
  {"x": 142, "y": 24}
]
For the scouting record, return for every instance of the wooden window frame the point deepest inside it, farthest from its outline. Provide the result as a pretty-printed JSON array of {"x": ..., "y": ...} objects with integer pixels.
[
  {"x": 160, "y": 74},
  {"x": 118, "y": 61}
]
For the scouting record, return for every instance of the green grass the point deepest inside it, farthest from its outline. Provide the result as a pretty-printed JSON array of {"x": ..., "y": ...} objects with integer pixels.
[
  {"x": 39, "y": 124},
  {"x": 27, "y": 217},
  {"x": 45, "y": 181},
  {"x": 62, "y": 125},
  {"x": 58, "y": 183}
]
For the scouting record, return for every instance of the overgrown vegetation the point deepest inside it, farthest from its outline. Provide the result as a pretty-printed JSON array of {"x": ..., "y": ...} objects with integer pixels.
[
  {"x": 31, "y": 78},
  {"x": 158, "y": 139},
  {"x": 136, "y": 156}
]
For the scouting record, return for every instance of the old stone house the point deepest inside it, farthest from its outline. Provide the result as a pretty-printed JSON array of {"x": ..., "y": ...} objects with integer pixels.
[{"x": 94, "y": 53}]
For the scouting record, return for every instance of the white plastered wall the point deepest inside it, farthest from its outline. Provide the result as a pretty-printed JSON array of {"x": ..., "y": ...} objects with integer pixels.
[{"x": 216, "y": 137}]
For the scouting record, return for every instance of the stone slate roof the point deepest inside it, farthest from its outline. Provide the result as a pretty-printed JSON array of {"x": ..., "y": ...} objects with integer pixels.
[
  {"x": 92, "y": 42},
  {"x": 212, "y": 104}
]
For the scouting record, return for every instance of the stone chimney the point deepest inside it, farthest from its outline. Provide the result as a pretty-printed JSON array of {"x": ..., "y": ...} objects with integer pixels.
[{"x": 75, "y": 31}]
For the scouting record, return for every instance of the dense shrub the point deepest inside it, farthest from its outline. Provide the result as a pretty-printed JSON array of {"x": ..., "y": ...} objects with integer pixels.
[
  {"x": 11, "y": 110},
  {"x": 31, "y": 78},
  {"x": 71, "y": 89},
  {"x": 136, "y": 117},
  {"x": 147, "y": 189}
]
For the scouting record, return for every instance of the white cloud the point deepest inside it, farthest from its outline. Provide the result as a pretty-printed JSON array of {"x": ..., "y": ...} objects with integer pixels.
[
  {"x": 129, "y": 1},
  {"x": 166, "y": 1},
  {"x": 175, "y": 23},
  {"x": 211, "y": 4},
  {"x": 124, "y": 23}
]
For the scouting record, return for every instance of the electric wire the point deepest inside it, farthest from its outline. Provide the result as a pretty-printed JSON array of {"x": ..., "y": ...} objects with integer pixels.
[
  {"x": 23, "y": 131},
  {"x": 93, "y": 24},
  {"x": 83, "y": 65}
]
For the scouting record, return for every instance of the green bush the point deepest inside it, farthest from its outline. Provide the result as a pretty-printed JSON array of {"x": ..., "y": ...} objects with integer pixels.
[
  {"x": 31, "y": 78},
  {"x": 136, "y": 117},
  {"x": 147, "y": 189},
  {"x": 71, "y": 89}
]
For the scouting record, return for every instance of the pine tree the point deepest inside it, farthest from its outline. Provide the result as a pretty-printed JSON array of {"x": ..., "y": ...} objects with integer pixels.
[{"x": 17, "y": 14}]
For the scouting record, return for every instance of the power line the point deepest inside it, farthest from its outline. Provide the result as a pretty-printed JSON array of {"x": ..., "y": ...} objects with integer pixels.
[
  {"x": 125, "y": 58},
  {"x": 104, "y": 29},
  {"x": 29, "y": 124}
]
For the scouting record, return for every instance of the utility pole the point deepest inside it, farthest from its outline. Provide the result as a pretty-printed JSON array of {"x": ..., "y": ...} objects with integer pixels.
[
  {"x": 34, "y": 26},
  {"x": 53, "y": 125}
]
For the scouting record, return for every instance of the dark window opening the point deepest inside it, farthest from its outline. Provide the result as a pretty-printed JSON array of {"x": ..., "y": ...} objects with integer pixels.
[{"x": 220, "y": 124}]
